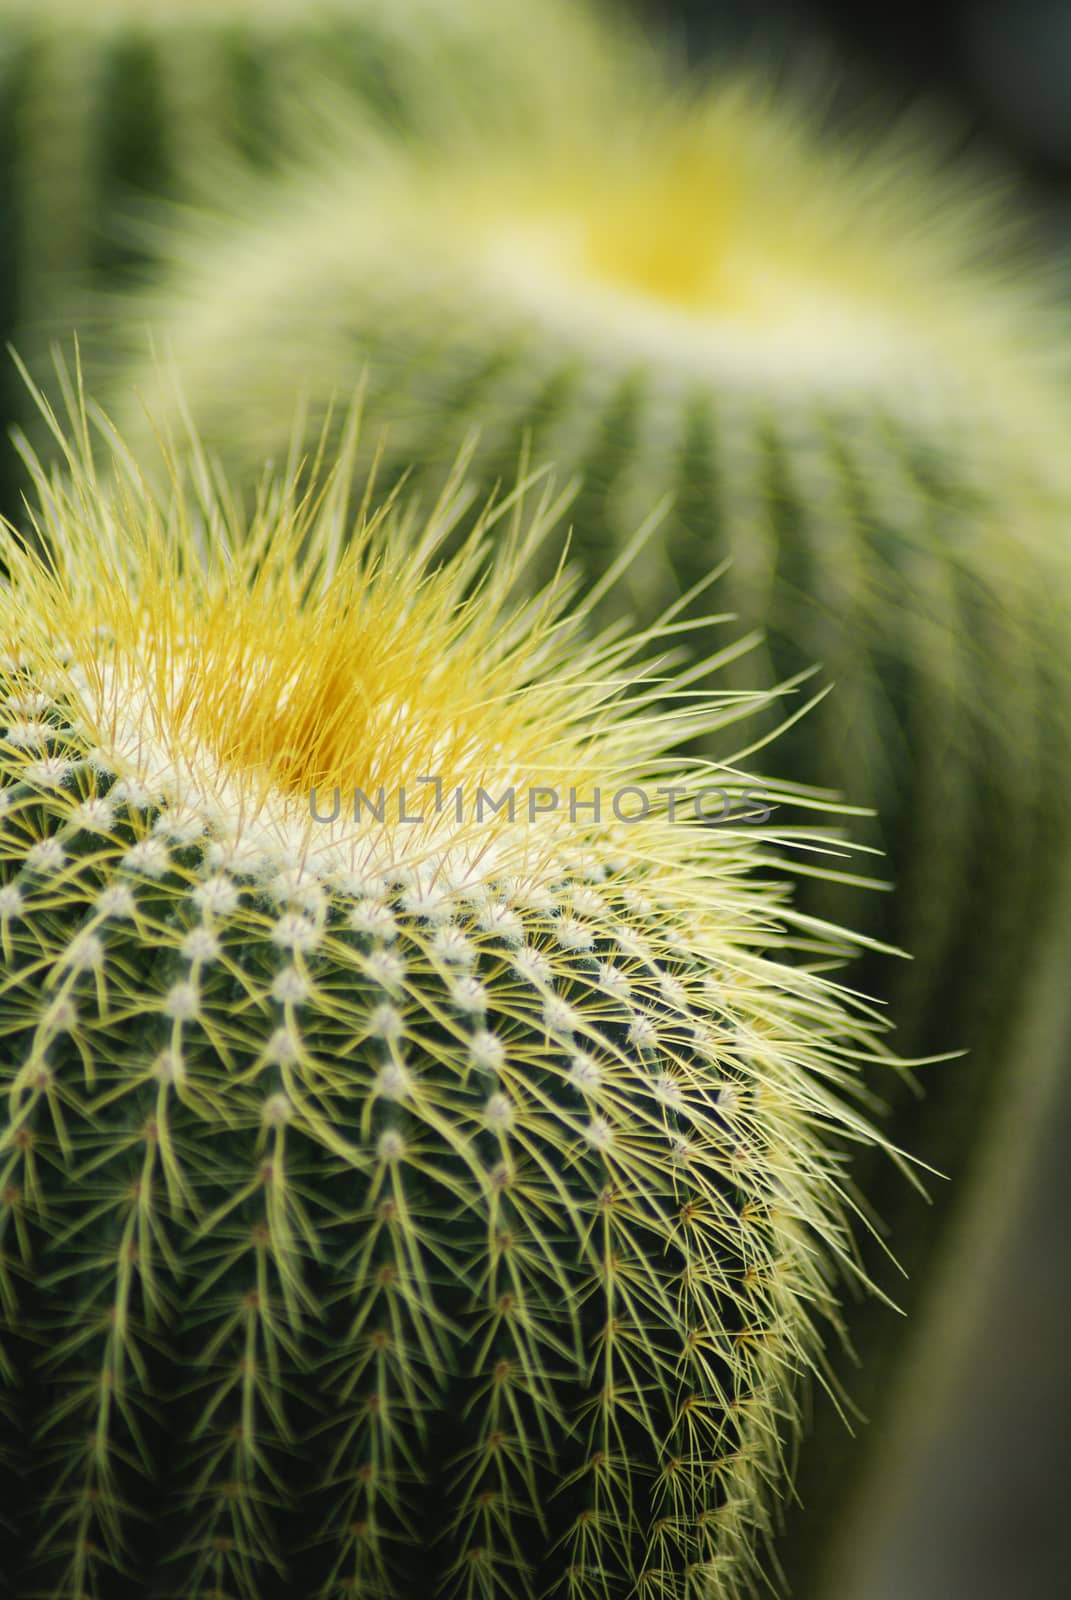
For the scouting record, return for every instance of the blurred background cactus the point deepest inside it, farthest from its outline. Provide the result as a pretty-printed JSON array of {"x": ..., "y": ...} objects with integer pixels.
[
  {"x": 103, "y": 104},
  {"x": 843, "y": 353},
  {"x": 447, "y": 1209}
]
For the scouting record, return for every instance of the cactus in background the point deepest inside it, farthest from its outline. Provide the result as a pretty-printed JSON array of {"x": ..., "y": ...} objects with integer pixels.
[
  {"x": 814, "y": 349},
  {"x": 833, "y": 357},
  {"x": 449, "y": 1207},
  {"x": 105, "y": 104}
]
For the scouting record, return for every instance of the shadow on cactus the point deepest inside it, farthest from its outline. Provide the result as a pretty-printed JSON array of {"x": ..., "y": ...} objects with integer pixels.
[{"x": 453, "y": 1208}]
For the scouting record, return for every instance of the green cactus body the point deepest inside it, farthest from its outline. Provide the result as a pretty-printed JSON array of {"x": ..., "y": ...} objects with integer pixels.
[
  {"x": 834, "y": 360},
  {"x": 386, "y": 1210}
]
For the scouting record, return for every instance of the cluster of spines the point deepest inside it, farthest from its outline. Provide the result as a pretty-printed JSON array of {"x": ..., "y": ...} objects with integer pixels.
[{"x": 361, "y": 1226}]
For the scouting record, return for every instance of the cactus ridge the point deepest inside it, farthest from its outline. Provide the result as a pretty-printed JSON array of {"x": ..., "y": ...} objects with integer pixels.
[{"x": 393, "y": 1215}]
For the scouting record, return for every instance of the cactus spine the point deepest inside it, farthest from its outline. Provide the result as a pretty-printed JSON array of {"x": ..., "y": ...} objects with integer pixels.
[{"x": 440, "y": 1209}]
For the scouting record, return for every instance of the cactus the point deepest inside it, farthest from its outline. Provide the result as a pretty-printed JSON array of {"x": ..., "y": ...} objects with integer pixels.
[
  {"x": 832, "y": 356},
  {"x": 453, "y": 1208},
  {"x": 811, "y": 348},
  {"x": 105, "y": 105}
]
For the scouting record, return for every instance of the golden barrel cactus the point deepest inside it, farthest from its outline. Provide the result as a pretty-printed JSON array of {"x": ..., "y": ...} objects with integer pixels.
[{"x": 401, "y": 1191}]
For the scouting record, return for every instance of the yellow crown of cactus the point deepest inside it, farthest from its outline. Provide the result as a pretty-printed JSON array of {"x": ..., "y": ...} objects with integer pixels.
[{"x": 449, "y": 1208}]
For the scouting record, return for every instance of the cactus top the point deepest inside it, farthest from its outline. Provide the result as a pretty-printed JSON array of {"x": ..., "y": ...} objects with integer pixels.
[
  {"x": 720, "y": 237},
  {"x": 321, "y": 701}
]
